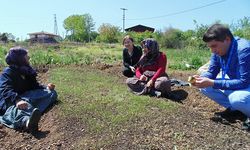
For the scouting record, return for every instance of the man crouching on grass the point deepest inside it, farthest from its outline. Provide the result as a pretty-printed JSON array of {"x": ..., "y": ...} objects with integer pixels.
[{"x": 231, "y": 56}]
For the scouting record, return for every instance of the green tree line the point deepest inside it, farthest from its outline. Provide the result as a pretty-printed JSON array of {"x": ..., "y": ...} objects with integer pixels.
[{"x": 81, "y": 28}]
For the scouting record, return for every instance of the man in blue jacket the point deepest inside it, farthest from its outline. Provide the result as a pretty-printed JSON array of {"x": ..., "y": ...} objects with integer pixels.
[{"x": 231, "y": 56}]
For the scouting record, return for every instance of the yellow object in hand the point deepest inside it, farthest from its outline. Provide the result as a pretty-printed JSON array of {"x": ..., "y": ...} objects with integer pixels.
[{"x": 191, "y": 79}]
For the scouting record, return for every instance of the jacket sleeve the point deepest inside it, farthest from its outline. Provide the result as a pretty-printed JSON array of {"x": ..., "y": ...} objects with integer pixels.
[
  {"x": 36, "y": 84},
  {"x": 162, "y": 62},
  {"x": 138, "y": 72},
  {"x": 138, "y": 55},
  {"x": 214, "y": 68},
  {"x": 244, "y": 74},
  {"x": 6, "y": 88},
  {"x": 125, "y": 59}
]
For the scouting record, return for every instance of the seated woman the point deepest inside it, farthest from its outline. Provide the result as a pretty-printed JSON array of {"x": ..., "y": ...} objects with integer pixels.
[
  {"x": 22, "y": 99},
  {"x": 131, "y": 55},
  {"x": 150, "y": 75}
]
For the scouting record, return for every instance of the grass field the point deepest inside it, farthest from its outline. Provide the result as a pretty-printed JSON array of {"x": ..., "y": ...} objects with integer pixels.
[
  {"x": 104, "y": 53},
  {"x": 102, "y": 103}
]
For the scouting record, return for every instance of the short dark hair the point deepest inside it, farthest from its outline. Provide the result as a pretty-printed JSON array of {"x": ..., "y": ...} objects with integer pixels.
[{"x": 217, "y": 32}]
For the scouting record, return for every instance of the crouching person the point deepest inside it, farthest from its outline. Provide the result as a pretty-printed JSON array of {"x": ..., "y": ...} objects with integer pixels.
[
  {"x": 22, "y": 99},
  {"x": 231, "y": 56},
  {"x": 151, "y": 77}
]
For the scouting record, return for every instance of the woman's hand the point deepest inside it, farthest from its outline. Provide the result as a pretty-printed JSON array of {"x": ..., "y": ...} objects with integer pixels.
[
  {"x": 132, "y": 68},
  {"x": 51, "y": 86},
  {"x": 143, "y": 78},
  {"x": 150, "y": 83},
  {"x": 21, "y": 104}
]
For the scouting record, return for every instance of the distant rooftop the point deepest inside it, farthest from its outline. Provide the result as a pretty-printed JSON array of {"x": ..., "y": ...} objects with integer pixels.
[
  {"x": 42, "y": 33},
  {"x": 140, "y": 28}
]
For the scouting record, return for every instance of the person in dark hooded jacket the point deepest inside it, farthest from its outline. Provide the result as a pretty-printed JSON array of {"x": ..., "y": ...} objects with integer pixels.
[{"x": 22, "y": 99}]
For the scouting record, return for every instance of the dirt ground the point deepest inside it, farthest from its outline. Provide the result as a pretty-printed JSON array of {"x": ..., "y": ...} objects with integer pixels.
[{"x": 191, "y": 127}]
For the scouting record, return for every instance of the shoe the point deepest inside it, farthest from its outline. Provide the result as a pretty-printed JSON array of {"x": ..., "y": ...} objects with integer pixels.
[
  {"x": 246, "y": 125},
  {"x": 228, "y": 113},
  {"x": 228, "y": 116},
  {"x": 32, "y": 123},
  {"x": 173, "y": 96},
  {"x": 155, "y": 93}
]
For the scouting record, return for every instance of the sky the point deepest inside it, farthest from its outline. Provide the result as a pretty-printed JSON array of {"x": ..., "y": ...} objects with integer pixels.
[{"x": 21, "y": 17}]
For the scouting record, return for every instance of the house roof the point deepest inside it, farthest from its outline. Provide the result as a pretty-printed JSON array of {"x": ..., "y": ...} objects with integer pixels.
[
  {"x": 42, "y": 33},
  {"x": 140, "y": 28}
]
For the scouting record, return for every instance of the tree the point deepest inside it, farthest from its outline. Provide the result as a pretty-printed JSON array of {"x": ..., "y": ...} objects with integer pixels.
[
  {"x": 139, "y": 36},
  {"x": 241, "y": 28},
  {"x": 172, "y": 38},
  {"x": 89, "y": 26},
  {"x": 79, "y": 26},
  {"x": 199, "y": 32},
  {"x": 108, "y": 33},
  {"x": 7, "y": 37}
]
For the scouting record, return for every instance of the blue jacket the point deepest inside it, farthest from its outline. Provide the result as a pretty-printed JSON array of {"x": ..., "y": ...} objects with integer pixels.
[
  {"x": 239, "y": 68},
  {"x": 12, "y": 85}
]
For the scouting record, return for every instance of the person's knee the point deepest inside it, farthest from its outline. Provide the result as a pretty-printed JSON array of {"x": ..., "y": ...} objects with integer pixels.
[
  {"x": 54, "y": 95},
  {"x": 130, "y": 81},
  {"x": 239, "y": 100},
  {"x": 128, "y": 73},
  {"x": 163, "y": 86}
]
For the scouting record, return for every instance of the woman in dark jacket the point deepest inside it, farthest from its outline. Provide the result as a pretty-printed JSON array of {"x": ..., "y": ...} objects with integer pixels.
[
  {"x": 131, "y": 55},
  {"x": 151, "y": 77},
  {"x": 22, "y": 98}
]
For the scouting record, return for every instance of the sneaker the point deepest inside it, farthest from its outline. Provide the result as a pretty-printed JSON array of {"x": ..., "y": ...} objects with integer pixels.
[
  {"x": 32, "y": 123},
  {"x": 246, "y": 125}
]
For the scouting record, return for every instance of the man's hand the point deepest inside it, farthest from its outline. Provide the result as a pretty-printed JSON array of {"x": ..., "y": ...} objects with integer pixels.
[
  {"x": 51, "y": 86},
  {"x": 202, "y": 82},
  {"x": 21, "y": 104}
]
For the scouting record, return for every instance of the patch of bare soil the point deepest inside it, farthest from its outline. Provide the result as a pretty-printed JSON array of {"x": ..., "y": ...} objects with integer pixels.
[{"x": 190, "y": 127}]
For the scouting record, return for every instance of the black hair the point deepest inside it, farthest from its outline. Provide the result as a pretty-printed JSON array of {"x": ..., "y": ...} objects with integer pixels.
[{"x": 217, "y": 32}]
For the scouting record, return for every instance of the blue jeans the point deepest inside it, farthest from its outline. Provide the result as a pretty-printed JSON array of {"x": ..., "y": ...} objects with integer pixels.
[
  {"x": 233, "y": 99},
  {"x": 39, "y": 98}
]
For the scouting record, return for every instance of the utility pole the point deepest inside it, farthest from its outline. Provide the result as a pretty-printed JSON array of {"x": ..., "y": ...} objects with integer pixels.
[
  {"x": 123, "y": 18},
  {"x": 55, "y": 25}
]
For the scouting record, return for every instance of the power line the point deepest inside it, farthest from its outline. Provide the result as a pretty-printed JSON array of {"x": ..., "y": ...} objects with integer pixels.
[{"x": 180, "y": 12}]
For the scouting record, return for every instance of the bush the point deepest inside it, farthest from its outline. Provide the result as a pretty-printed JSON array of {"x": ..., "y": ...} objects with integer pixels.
[{"x": 172, "y": 38}]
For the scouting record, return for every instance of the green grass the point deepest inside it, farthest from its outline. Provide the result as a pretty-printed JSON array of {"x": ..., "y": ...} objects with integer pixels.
[
  {"x": 100, "y": 100},
  {"x": 179, "y": 57},
  {"x": 105, "y": 53}
]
